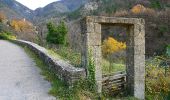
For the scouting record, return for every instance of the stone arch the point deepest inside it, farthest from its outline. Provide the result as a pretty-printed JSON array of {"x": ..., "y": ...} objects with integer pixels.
[{"x": 135, "y": 66}]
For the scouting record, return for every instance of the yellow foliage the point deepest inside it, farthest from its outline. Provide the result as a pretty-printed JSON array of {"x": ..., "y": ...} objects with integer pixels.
[
  {"x": 111, "y": 45},
  {"x": 21, "y": 25},
  {"x": 138, "y": 9},
  {"x": 141, "y": 9},
  {"x": 156, "y": 82}
]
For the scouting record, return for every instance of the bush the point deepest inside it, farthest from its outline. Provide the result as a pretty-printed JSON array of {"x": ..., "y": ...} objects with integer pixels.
[
  {"x": 168, "y": 50},
  {"x": 111, "y": 45},
  {"x": 7, "y": 36},
  {"x": 157, "y": 83},
  {"x": 56, "y": 34}
]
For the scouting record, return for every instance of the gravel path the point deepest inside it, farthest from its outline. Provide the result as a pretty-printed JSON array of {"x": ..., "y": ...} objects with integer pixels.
[{"x": 20, "y": 79}]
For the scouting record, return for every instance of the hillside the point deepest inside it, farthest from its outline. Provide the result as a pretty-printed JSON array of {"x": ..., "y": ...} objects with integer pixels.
[
  {"x": 155, "y": 12},
  {"x": 156, "y": 16},
  {"x": 58, "y": 7},
  {"x": 14, "y": 9}
]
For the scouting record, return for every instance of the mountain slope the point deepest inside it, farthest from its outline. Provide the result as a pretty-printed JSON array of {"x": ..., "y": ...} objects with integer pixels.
[
  {"x": 58, "y": 7},
  {"x": 14, "y": 9}
]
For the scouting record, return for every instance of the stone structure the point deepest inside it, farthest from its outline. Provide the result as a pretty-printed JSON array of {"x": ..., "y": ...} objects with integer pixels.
[
  {"x": 135, "y": 66},
  {"x": 61, "y": 68}
]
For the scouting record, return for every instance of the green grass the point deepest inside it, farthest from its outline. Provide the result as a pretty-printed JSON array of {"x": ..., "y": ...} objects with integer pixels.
[
  {"x": 7, "y": 36},
  {"x": 157, "y": 81},
  {"x": 79, "y": 91},
  {"x": 108, "y": 67},
  {"x": 58, "y": 88},
  {"x": 67, "y": 54}
]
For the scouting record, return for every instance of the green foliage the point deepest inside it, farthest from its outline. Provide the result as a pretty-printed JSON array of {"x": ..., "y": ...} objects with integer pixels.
[
  {"x": 109, "y": 67},
  {"x": 57, "y": 34},
  {"x": 67, "y": 53},
  {"x": 91, "y": 73},
  {"x": 75, "y": 14},
  {"x": 111, "y": 9},
  {"x": 157, "y": 84},
  {"x": 79, "y": 91},
  {"x": 162, "y": 29},
  {"x": 168, "y": 50},
  {"x": 7, "y": 36},
  {"x": 156, "y": 4}
]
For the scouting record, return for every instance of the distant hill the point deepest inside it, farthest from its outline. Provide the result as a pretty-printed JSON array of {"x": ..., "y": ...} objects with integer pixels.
[
  {"x": 58, "y": 7},
  {"x": 14, "y": 9}
]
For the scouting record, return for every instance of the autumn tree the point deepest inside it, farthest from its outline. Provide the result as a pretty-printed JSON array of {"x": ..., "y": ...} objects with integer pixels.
[
  {"x": 111, "y": 45},
  {"x": 137, "y": 9},
  {"x": 21, "y": 25},
  {"x": 2, "y": 16}
]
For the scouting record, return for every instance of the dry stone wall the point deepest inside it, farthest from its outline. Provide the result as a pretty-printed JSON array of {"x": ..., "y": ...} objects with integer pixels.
[{"x": 62, "y": 69}]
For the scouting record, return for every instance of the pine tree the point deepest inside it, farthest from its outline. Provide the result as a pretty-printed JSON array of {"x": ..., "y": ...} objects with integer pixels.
[{"x": 57, "y": 34}]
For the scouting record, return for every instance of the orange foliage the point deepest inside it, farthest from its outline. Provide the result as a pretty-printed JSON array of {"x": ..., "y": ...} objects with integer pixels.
[
  {"x": 111, "y": 45},
  {"x": 21, "y": 25},
  {"x": 138, "y": 9},
  {"x": 141, "y": 9},
  {"x": 2, "y": 16}
]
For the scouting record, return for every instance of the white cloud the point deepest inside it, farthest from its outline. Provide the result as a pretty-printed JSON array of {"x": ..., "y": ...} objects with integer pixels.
[{"x": 33, "y": 4}]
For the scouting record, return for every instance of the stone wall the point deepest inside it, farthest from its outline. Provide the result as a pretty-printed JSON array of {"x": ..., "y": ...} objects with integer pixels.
[{"x": 62, "y": 69}]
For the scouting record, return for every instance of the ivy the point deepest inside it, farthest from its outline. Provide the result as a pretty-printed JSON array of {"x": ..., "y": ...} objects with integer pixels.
[
  {"x": 91, "y": 73},
  {"x": 168, "y": 50}
]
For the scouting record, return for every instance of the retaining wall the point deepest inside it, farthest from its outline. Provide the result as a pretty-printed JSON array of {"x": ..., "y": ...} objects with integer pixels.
[{"x": 63, "y": 69}]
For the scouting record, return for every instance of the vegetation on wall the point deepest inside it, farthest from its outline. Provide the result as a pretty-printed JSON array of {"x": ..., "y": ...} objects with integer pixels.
[{"x": 168, "y": 50}]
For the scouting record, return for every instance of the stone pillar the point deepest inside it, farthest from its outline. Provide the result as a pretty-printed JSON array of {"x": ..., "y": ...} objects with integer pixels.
[
  {"x": 91, "y": 45},
  {"x": 136, "y": 60}
]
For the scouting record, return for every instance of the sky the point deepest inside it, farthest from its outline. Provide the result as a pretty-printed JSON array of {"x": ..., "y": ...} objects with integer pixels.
[{"x": 33, "y": 4}]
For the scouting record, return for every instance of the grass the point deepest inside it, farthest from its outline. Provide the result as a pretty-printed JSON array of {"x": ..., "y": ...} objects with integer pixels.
[
  {"x": 74, "y": 58},
  {"x": 67, "y": 54},
  {"x": 157, "y": 80},
  {"x": 108, "y": 67},
  {"x": 7, "y": 36},
  {"x": 58, "y": 88},
  {"x": 79, "y": 91}
]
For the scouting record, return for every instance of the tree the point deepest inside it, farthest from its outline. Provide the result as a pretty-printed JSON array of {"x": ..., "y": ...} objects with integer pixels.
[
  {"x": 111, "y": 45},
  {"x": 56, "y": 34},
  {"x": 2, "y": 17},
  {"x": 138, "y": 9},
  {"x": 21, "y": 25}
]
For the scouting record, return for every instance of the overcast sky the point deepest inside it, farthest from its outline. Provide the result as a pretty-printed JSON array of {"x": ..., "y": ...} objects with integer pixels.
[{"x": 33, "y": 4}]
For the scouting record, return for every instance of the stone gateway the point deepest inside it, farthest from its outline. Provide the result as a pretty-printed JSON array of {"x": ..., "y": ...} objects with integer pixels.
[{"x": 135, "y": 60}]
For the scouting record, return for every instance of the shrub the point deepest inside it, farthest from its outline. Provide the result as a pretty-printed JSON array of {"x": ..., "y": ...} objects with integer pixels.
[
  {"x": 7, "y": 36},
  {"x": 168, "y": 50},
  {"x": 157, "y": 83},
  {"x": 138, "y": 9},
  {"x": 56, "y": 34},
  {"x": 111, "y": 45},
  {"x": 21, "y": 25},
  {"x": 156, "y": 4}
]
